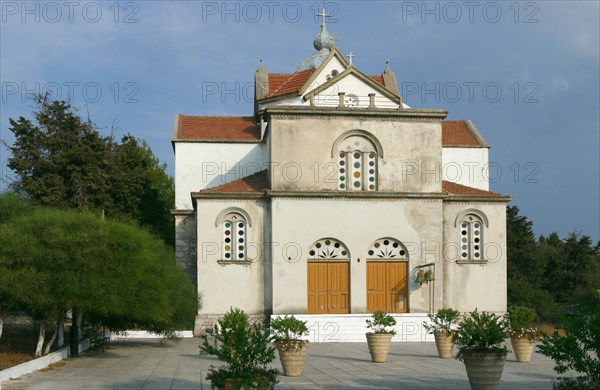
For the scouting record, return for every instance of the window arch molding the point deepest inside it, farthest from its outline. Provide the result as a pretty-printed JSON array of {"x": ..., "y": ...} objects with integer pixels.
[
  {"x": 388, "y": 248},
  {"x": 360, "y": 133},
  {"x": 328, "y": 248},
  {"x": 462, "y": 215},
  {"x": 232, "y": 210}
]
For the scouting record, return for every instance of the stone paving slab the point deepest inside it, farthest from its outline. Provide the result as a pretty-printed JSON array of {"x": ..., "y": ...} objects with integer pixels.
[{"x": 148, "y": 365}]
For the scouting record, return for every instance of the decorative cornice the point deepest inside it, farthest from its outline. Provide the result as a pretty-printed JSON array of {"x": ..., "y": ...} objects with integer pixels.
[
  {"x": 182, "y": 212},
  {"x": 478, "y": 199},
  {"x": 401, "y": 114},
  {"x": 356, "y": 195}
]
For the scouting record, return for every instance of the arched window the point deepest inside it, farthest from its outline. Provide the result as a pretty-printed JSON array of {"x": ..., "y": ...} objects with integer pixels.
[
  {"x": 388, "y": 248},
  {"x": 234, "y": 236},
  {"x": 327, "y": 249},
  {"x": 471, "y": 238},
  {"x": 357, "y": 153}
]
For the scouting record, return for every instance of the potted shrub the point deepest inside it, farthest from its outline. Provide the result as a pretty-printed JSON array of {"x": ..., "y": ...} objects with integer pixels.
[
  {"x": 380, "y": 337},
  {"x": 245, "y": 348},
  {"x": 479, "y": 339},
  {"x": 287, "y": 332},
  {"x": 442, "y": 326},
  {"x": 523, "y": 333}
]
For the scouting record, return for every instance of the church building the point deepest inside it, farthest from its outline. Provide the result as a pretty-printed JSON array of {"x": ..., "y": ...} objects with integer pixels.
[{"x": 335, "y": 199}]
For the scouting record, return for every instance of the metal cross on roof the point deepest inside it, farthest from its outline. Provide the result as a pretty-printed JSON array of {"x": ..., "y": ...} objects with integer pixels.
[
  {"x": 324, "y": 15},
  {"x": 350, "y": 57}
]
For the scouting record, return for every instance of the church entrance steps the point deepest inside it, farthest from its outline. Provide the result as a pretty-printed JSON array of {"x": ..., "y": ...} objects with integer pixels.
[{"x": 332, "y": 328}]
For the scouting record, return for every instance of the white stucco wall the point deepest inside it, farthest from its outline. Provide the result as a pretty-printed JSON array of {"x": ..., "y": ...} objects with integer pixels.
[
  {"x": 466, "y": 166},
  {"x": 298, "y": 223},
  {"x": 205, "y": 165},
  {"x": 468, "y": 286},
  {"x": 301, "y": 153},
  {"x": 352, "y": 85},
  {"x": 222, "y": 286}
]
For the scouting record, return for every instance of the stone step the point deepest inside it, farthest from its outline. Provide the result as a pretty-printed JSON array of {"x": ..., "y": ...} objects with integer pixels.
[{"x": 330, "y": 328}]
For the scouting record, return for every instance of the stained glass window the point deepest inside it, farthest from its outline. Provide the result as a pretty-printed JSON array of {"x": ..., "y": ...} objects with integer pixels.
[
  {"x": 234, "y": 237},
  {"x": 471, "y": 238},
  {"x": 388, "y": 248},
  {"x": 328, "y": 248},
  {"x": 357, "y": 171}
]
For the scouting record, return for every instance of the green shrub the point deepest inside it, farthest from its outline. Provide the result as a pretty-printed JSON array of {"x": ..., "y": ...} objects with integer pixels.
[
  {"x": 287, "y": 333},
  {"x": 442, "y": 321},
  {"x": 244, "y": 346},
  {"x": 578, "y": 350},
  {"x": 521, "y": 320},
  {"x": 481, "y": 332},
  {"x": 380, "y": 322}
]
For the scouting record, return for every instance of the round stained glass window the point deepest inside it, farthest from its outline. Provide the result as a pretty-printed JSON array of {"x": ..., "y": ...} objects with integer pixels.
[
  {"x": 318, "y": 245},
  {"x": 371, "y": 163},
  {"x": 464, "y": 239},
  {"x": 476, "y": 232},
  {"x": 227, "y": 255},
  {"x": 357, "y": 184},
  {"x": 386, "y": 242},
  {"x": 342, "y": 154},
  {"x": 241, "y": 240},
  {"x": 312, "y": 253},
  {"x": 241, "y": 233},
  {"x": 376, "y": 245},
  {"x": 371, "y": 252},
  {"x": 371, "y": 179},
  {"x": 227, "y": 232},
  {"x": 342, "y": 178},
  {"x": 342, "y": 186},
  {"x": 476, "y": 239},
  {"x": 357, "y": 155},
  {"x": 476, "y": 247},
  {"x": 227, "y": 247},
  {"x": 227, "y": 224},
  {"x": 464, "y": 232},
  {"x": 227, "y": 240},
  {"x": 477, "y": 255},
  {"x": 241, "y": 247},
  {"x": 357, "y": 174},
  {"x": 337, "y": 245},
  {"x": 476, "y": 225},
  {"x": 241, "y": 255},
  {"x": 464, "y": 225},
  {"x": 395, "y": 245},
  {"x": 371, "y": 187},
  {"x": 371, "y": 155},
  {"x": 342, "y": 170},
  {"x": 464, "y": 247},
  {"x": 356, "y": 165},
  {"x": 402, "y": 253},
  {"x": 371, "y": 171},
  {"x": 342, "y": 163},
  {"x": 344, "y": 253},
  {"x": 327, "y": 242},
  {"x": 464, "y": 254}
]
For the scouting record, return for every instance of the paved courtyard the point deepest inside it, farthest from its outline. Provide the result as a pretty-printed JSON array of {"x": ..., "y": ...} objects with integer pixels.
[{"x": 146, "y": 364}]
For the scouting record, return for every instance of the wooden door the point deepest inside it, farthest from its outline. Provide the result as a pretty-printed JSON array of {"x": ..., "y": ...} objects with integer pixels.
[
  {"x": 328, "y": 287},
  {"x": 387, "y": 286}
]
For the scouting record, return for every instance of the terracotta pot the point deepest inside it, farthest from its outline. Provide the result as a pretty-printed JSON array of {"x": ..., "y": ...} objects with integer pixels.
[
  {"x": 444, "y": 342},
  {"x": 292, "y": 355},
  {"x": 379, "y": 345},
  {"x": 523, "y": 348},
  {"x": 484, "y": 370}
]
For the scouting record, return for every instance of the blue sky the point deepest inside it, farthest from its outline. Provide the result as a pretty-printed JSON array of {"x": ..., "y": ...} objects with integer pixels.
[{"x": 526, "y": 73}]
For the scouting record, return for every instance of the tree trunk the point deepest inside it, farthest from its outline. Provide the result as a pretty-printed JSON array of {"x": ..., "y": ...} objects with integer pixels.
[
  {"x": 40, "y": 343},
  {"x": 1, "y": 326},
  {"x": 51, "y": 341},
  {"x": 60, "y": 341},
  {"x": 74, "y": 334}
]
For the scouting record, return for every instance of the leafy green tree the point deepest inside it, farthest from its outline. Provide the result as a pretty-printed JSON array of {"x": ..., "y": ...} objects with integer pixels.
[
  {"x": 118, "y": 275},
  {"x": 61, "y": 160}
]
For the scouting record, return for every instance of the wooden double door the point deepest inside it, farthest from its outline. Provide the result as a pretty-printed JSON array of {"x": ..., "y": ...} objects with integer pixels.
[
  {"x": 328, "y": 287},
  {"x": 387, "y": 286}
]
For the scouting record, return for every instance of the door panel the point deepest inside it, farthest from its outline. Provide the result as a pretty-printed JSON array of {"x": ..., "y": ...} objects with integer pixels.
[
  {"x": 387, "y": 286},
  {"x": 328, "y": 287}
]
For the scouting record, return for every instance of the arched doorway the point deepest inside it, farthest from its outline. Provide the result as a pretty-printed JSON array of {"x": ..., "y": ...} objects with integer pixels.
[
  {"x": 328, "y": 278},
  {"x": 387, "y": 276}
]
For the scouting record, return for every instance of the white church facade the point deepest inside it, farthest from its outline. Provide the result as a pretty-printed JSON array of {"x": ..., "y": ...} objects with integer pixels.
[{"x": 336, "y": 199}]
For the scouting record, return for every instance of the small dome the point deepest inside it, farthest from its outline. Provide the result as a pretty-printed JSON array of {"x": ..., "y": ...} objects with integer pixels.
[{"x": 323, "y": 40}]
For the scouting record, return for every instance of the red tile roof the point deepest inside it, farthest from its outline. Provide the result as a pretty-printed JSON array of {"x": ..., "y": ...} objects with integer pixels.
[
  {"x": 459, "y": 189},
  {"x": 218, "y": 128},
  {"x": 457, "y": 133},
  {"x": 377, "y": 79},
  {"x": 257, "y": 183},
  {"x": 283, "y": 84}
]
